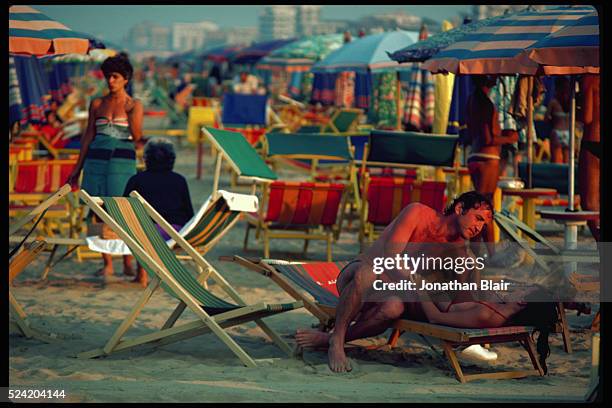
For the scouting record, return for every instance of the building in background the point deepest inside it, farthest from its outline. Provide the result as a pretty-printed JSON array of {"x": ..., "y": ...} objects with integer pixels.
[
  {"x": 332, "y": 26},
  {"x": 191, "y": 36},
  {"x": 306, "y": 19},
  {"x": 277, "y": 22},
  {"x": 148, "y": 36},
  {"x": 485, "y": 11}
]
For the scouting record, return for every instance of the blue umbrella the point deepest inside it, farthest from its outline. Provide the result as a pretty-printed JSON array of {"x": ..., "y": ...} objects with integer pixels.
[
  {"x": 367, "y": 54},
  {"x": 255, "y": 52}
]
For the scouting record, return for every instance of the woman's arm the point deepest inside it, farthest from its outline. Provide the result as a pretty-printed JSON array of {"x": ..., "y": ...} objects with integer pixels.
[
  {"x": 135, "y": 111},
  {"x": 86, "y": 140}
]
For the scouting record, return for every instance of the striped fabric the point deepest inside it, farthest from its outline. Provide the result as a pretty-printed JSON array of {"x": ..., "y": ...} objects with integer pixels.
[
  {"x": 252, "y": 135},
  {"x": 33, "y": 33},
  {"x": 303, "y": 203},
  {"x": 419, "y": 107},
  {"x": 316, "y": 278},
  {"x": 323, "y": 88},
  {"x": 575, "y": 45},
  {"x": 387, "y": 196},
  {"x": 42, "y": 176},
  {"x": 131, "y": 215},
  {"x": 14, "y": 93},
  {"x": 498, "y": 48},
  {"x": 214, "y": 221},
  {"x": 33, "y": 87}
]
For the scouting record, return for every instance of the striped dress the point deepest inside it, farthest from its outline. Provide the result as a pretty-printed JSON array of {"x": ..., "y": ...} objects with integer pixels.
[{"x": 111, "y": 159}]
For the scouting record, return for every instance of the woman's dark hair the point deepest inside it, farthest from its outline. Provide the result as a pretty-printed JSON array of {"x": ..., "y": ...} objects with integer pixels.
[
  {"x": 159, "y": 155},
  {"x": 119, "y": 63},
  {"x": 471, "y": 199},
  {"x": 541, "y": 315}
]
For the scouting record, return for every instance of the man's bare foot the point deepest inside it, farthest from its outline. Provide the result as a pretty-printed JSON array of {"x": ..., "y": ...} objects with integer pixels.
[
  {"x": 311, "y": 338},
  {"x": 338, "y": 362},
  {"x": 106, "y": 271}
]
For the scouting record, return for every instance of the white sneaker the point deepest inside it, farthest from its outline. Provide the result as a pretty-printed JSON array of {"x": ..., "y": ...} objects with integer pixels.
[{"x": 476, "y": 353}]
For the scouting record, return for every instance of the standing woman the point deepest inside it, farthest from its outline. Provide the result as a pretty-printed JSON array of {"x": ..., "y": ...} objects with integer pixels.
[{"x": 107, "y": 156}]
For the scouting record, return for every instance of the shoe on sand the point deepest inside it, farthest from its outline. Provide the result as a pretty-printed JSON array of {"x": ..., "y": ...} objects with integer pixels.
[{"x": 477, "y": 354}]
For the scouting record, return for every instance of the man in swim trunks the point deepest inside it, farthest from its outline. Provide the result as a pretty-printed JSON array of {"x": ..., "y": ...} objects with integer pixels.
[
  {"x": 416, "y": 227},
  {"x": 486, "y": 138}
]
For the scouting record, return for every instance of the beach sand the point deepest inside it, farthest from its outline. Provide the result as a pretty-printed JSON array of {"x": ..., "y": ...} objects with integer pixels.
[{"x": 75, "y": 303}]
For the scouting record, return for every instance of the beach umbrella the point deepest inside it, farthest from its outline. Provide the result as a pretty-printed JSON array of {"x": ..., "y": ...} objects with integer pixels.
[
  {"x": 221, "y": 53},
  {"x": 572, "y": 49},
  {"x": 498, "y": 48},
  {"x": 300, "y": 55},
  {"x": 33, "y": 33},
  {"x": 252, "y": 54},
  {"x": 33, "y": 87},
  {"x": 575, "y": 46},
  {"x": 369, "y": 55}
]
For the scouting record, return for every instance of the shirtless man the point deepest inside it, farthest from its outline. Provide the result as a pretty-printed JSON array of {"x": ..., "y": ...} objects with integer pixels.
[
  {"x": 486, "y": 138},
  {"x": 417, "y": 223}
]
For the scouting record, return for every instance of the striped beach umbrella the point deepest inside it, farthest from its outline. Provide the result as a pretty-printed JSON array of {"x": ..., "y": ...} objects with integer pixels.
[
  {"x": 575, "y": 46},
  {"x": 252, "y": 54},
  {"x": 498, "y": 48},
  {"x": 33, "y": 33},
  {"x": 302, "y": 54}
]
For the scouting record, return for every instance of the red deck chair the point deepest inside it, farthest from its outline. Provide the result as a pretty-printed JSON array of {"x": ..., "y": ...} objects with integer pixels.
[{"x": 298, "y": 210}]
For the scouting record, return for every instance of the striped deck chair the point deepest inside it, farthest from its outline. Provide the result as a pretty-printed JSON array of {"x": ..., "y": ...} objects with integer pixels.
[
  {"x": 343, "y": 121},
  {"x": 34, "y": 181},
  {"x": 384, "y": 197},
  {"x": 131, "y": 218},
  {"x": 318, "y": 280},
  {"x": 299, "y": 210}
]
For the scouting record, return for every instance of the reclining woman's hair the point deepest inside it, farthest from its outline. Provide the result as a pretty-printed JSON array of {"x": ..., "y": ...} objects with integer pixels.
[
  {"x": 159, "y": 154},
  {"x": 119, "y": 63},
  {"x": 542, "y": 316},
  {"x": 471, "y": 199}
]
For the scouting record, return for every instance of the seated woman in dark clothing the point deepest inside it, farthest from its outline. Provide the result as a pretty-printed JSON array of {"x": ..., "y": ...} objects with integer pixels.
[{"x": 164, "y": 189}]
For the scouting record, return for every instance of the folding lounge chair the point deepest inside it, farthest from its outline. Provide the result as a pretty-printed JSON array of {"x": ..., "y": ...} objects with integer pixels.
[
  {"x": 55, "y": 242},
  {"x": 248, "y": 114},
  {"x": 318, "y": 280},
  {"x": 130, "y": 219},
  {"x": 343, "y": 121},
  {"x": 299, "y": 210},
  {"x": 20, "y": 257}
]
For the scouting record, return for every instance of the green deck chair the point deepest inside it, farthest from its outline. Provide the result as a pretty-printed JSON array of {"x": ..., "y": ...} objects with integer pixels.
[
  {"x": 242, "y": 157},
  {"x": 130, "y": 219}
]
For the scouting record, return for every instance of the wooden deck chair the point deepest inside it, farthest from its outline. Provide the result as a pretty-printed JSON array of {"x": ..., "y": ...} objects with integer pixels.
[
  {"x": 244, "y": 161},
  {"x": 299, "y": 210},
  {"x": 34, "y": 181},
  {"x": 54, "y": 152},
  {"x": 326, "y": 157},
  {"x": 342, "y": 121},
  {"x": 19, "y": 318},
  {"x": 318, "y": 280},
  {"x": 53, "y": 242},
  {"x": 131, "y": 218},
  {"x": 385, "y": 197}
]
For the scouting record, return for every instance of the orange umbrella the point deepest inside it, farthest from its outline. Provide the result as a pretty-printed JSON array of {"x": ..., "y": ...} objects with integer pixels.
[{"x": 33, "y": 33}]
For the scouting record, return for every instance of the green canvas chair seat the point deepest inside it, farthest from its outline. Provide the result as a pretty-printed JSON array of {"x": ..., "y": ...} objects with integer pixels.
[
  {"x": 342, "y": 121},
  {"x": 412, "y": 148},
  {"x": 309, "y": 146},
  {"x": 130, "y": 218},
  {"x": 549, "y": 175}
]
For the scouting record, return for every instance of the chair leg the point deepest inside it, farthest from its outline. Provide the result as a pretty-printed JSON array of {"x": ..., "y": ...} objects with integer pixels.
[
  {"x": 305, "y": 250},
  {"x": 394, "y": 337},
  {"x": 565, "y": 332},
  {"x": 266, "y": 240},
  {"x": 246, "y": 236},
  {"x": 329, "y": 246},
  {"x": 452, "y": 358}
]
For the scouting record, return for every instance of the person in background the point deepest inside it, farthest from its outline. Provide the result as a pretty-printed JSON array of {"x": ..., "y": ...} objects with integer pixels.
[
  {"x": 164, "y": 189},
  {"x": 558, "y": 115},
  {"x": 486, "y": 137},
  {"x": 347, "y": 37},
  {"x": 107, "y": 155}
]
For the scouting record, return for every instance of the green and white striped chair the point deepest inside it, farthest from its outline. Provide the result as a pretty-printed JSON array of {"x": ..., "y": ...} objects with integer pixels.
[{"x": 131, "y": 218}]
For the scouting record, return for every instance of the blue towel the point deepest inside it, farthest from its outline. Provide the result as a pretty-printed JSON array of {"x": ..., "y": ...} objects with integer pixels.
[
  {"x": 240, "y": 109},
  {"x": 34, "y": 88}
]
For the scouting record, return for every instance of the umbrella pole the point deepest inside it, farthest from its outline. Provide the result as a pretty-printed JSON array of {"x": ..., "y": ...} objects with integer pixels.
[
  {"x": 572, "y": 145},
  {"x": 529, "y": 132},
  {"x": 398, "y": 99}
]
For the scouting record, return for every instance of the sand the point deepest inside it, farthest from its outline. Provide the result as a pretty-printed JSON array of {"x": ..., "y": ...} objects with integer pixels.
[{"x": 88, "y": 309}]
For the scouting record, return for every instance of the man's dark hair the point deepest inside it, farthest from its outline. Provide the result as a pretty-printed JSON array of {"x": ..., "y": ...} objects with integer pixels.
[
  {"x": 119, "y": 63},
  {"x": 471, "y": 199},
  {"x": 159, "y": 155}
]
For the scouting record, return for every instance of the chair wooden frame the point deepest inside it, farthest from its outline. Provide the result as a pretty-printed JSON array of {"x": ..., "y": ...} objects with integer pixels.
[
  {"x": 449, "y": 337},
  {"x": 169, "y": 333}
]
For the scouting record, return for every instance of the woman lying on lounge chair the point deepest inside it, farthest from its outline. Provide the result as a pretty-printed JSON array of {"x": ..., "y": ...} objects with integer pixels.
[{"x": 465, "y": 314}]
